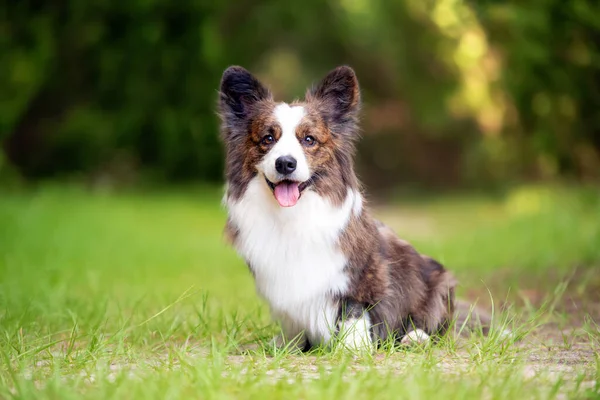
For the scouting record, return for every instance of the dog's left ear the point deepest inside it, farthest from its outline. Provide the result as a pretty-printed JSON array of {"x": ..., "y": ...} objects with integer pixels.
[{"x": 338, "y": 94}]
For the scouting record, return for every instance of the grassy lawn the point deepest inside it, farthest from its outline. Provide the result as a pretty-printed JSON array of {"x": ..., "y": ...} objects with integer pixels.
[{"x": 136, "y": 295}]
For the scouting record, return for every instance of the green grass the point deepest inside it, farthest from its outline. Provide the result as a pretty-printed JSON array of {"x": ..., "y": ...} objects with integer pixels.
[{"x": 136, "y": 295}]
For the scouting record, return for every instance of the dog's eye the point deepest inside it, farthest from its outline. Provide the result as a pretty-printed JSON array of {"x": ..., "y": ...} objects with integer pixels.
[
  {"x": 309, "y": 141},
  {"x": 267, "y": 140}
]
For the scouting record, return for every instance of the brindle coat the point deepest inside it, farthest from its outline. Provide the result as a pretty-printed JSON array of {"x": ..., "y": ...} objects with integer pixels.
[{"x": 401, "y": 289}]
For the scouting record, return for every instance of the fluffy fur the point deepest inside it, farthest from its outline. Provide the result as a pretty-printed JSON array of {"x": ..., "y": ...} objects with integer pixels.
[{"x": 325, "y": 266}]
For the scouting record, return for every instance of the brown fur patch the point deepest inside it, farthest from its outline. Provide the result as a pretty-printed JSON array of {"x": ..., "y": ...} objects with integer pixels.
[
  {"x": 324, "y": 157},
  {"x": 401, "y": 288}
]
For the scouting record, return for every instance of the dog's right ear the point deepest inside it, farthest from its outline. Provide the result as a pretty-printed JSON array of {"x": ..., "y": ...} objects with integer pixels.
[
  {"x": 338, "y": 94},
  {"x": 239, "y": 91}
]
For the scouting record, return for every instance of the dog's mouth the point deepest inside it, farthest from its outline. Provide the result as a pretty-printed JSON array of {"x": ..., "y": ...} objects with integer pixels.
[{"x": 288, "y": 192}]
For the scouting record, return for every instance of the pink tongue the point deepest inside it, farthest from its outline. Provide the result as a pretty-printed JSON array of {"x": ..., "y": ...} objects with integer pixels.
[{"x": 287, "y": 194}]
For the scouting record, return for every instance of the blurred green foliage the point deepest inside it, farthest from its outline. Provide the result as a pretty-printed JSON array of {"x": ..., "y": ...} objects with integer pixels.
[{"x": 454, "y": 91}]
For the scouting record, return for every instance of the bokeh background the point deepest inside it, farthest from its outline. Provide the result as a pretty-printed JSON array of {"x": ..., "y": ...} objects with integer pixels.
[
  {"x": 481, "y": 146},
  {"x": 456, "y": 93}
]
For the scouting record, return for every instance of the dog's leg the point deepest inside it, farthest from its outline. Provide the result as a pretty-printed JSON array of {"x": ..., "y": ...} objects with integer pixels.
[
  {"x": 354, "y": 326},
  {"x": 434, "y": 315}
]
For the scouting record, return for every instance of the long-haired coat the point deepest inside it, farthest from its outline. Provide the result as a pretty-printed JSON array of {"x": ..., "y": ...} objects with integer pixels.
[{"x": 296, "y": 214}]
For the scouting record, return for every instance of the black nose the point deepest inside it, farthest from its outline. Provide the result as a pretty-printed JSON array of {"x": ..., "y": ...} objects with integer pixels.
[{"x": 285, "y": 165}]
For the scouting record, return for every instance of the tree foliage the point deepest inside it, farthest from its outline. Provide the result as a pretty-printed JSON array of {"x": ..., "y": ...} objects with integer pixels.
[{"x": 461, "y": 91}]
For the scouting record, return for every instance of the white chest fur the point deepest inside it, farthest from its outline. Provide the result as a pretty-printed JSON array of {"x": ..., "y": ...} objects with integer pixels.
[{"x": 294, "y": 254}]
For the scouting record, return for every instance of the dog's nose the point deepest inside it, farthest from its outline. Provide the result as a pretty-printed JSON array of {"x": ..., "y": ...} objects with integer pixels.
[{"x": 285, "y": 165}]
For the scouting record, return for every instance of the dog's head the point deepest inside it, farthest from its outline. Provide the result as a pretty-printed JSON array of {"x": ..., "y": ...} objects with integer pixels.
[{"x": 294, "y": 147}]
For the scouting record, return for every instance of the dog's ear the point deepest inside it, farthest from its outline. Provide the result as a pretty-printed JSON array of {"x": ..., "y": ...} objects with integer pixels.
[
  {"x": 239, "y": 91},
  {"x": 338, "y": 94}
]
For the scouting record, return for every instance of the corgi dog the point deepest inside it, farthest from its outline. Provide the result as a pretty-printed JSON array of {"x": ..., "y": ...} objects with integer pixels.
[{"x": 329, "y": 271}]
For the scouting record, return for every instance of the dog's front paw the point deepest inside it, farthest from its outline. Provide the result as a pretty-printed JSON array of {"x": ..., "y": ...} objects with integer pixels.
[
  {"x": 354, "y": 335},
  {"x": 416, "y": 337}
]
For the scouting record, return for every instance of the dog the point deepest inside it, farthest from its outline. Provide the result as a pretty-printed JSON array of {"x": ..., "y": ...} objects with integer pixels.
[{"x": 330, "y": 272}]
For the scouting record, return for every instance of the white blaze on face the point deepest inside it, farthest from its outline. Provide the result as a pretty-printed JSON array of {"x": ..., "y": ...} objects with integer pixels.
[{"x": 288, "y": 145}]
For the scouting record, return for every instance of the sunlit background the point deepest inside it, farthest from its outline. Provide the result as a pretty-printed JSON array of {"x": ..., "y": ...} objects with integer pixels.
[{"x": 455, "y": 93}]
